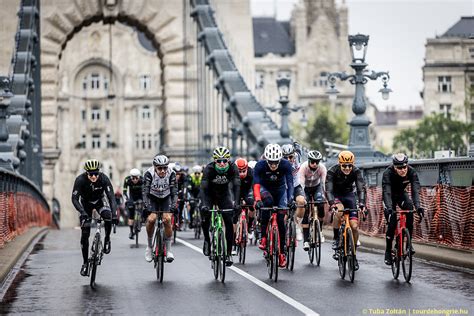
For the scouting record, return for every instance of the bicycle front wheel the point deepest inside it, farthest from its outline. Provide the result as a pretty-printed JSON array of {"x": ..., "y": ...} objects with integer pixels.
[
  {"x": 243, "y": 242},
  {"x": 312, "y": 244},
  {"x": 395, "y": 259},
  {"x": 159, "y": 257},
  {"x": 215, "y": 258},
  {"x": 407, "y": 259},
  {"x": 317, "y": 241},
  {"x": 223, "y": 253},
  {"x": 94, "y": 259},
  {"x": 341, "y": 260},
  {"x": 350, "y": 252},
  {"x": 290, "y": 258},
  {"x": 275, "y": 256}
]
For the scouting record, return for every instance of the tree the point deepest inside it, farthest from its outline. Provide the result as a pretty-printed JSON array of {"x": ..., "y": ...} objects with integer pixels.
[
  {"x": 326, "y": 125},
  {"x": 434, "y": 132}
]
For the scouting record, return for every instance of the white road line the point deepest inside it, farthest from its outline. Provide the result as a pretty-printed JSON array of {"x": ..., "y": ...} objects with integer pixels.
[{"x": 285, "y": 298}]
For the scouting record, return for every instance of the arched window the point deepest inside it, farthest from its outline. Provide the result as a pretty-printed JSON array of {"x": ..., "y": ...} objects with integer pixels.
[{"x": 95, "y": 113}]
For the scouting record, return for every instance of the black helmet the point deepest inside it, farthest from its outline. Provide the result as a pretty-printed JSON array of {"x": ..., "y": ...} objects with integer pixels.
[{"x": 399, "y": 159}]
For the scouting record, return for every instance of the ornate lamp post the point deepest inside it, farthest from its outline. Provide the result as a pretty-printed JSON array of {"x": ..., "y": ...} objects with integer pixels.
[
  {"x": 283, "y": 85},
  {"x": 359, "y": 141}
]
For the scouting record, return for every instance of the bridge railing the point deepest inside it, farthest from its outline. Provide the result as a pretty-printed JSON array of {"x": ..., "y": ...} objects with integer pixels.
[
  {"x": 447, "y": 195},
  {"x": 22, "y": 205}
]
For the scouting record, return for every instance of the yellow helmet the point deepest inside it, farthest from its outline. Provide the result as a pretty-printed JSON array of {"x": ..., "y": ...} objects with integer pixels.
[
  {"x": 346, "y": 156},
  {"x": 92, "y": 165}
]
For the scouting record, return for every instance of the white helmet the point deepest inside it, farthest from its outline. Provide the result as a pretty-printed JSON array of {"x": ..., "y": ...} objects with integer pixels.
[
  {"x": 135, "y": 172},
  {"x": 252, "y": 163},
  {"x": 273, "y": 152},
  {"x": 197, "y": 168}
]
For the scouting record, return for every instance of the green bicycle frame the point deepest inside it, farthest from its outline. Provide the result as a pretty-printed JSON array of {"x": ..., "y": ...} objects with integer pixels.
[{"x": 216, "y": 226}]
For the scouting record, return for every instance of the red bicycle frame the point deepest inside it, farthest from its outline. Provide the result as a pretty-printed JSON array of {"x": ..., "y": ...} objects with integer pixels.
[{"x": 401, "y": 224}]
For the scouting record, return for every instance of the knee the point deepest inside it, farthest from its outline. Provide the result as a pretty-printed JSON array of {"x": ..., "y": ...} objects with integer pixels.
[
  {"x": 167, "y": 219},
  {"x": 300, "y": 200},
  {"x": 151, "y": 218},
  {"x": 354, "y": 225}
]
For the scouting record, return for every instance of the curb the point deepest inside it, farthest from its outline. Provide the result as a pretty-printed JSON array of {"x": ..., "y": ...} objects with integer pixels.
[
  {"x": 20, "y": 249},
  {"x": 430, "y": 253}
]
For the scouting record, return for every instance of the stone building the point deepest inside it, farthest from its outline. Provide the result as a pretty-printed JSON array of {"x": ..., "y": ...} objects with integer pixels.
[{"x": 448, "y": 73}]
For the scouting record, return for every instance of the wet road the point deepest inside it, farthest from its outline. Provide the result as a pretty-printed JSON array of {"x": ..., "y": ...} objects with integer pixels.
[{"x": 50, "y": 283}]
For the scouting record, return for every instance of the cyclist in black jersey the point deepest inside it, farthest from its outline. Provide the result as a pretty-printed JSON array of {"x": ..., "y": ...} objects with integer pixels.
[
  {"x": 395, "y": 180},
  {"x": 132, "y": 190},
  {"x": 93, "y": 190},
  {"x": 215, "y": 190}
]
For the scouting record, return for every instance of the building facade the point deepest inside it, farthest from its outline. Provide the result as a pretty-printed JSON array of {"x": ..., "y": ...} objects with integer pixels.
[{"x": 448, "y": 73}]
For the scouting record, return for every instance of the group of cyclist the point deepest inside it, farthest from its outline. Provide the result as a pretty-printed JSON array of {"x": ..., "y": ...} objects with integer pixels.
[{"x": 279, "y": 179}]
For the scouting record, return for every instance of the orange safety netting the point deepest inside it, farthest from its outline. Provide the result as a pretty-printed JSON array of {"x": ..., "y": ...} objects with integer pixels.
[
  {"x": 448, "y": 217},
  {"x": 18, "y": 212}
]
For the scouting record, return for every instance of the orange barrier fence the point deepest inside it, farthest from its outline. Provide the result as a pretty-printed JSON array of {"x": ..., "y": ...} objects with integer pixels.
[
  {"x": 21, "y": 206},
  {"x": 448, "y": 217}
]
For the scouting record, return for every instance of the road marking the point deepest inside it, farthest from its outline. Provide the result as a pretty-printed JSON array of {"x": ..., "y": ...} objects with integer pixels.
[{"x": 285, "y": 298}]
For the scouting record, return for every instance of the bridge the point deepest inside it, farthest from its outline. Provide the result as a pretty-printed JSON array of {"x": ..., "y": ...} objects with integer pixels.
[{"x": 206, "y": 99}]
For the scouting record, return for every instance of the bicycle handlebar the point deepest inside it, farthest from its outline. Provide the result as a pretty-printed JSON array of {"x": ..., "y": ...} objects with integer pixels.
[
  {"x": 274, "y": 209},
  {"x": 222, "y": 210}
]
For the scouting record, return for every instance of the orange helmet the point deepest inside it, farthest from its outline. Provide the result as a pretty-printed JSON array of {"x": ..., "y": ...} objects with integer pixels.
[
  {"x": 241, "y": 163},
  {"x": 346, "y": 156}
]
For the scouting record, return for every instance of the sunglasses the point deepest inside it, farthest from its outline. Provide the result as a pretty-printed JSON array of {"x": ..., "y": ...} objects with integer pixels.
[
  {"x": 273, "y": 163},
  {"x": 93, "y": 173},
  {"x": 222, "y": 160},
  {"x": 242, "y": 170},
  {"x": 290, "y": 157},
  {"x": 161, "y": 168},
  {"x": 134, "y": 178},
  {"x": 401, "y": 167},
  {"x": 313, "y": 161},
  {"x": 347, "y": 166}
]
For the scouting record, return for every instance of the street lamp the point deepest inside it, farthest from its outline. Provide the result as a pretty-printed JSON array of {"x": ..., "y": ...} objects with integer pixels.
[
  {"x": 283, "y": 85},
  {"x": 359, "y": 141}
]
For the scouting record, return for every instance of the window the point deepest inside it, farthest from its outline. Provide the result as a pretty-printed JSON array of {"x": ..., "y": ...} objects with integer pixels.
[
  {"x": 323, "y": 79},
  {"x": 107, "y": 115},
  {"x": 471, "y": 84},
  {"x": 83, "y": 141},
  {"x": 109, "y": 142},
  {"x": 95, "y": 141},
  {"x": 145, "y": 112},
  {"x": 444, "y": 84},
  {"x": 111, "y": 174},
  {"x": 149, "y": 141},
  {"x": 83, "y": 115},
  {"x": 259, "y": 80},
  {"x": 95, "y": 81},
  {"x": 106, "y": 83},
  {"x": 145, "y": 82},
  {"x": 284, "y": 74},
  {"x": 95, "y": 113},
  {"x": 445, "y": 109},
  {"x": 84, "y": 83},
  {"x": 137, "y": 141},
  {"x": 471, "y": 52},
  {"x": 143, "y": 141},
  {"x": 472, "y": 112}
]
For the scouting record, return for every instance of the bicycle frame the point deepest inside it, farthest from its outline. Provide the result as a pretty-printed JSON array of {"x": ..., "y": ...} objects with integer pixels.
[
  {"x": 402, "y": 252},
  {"x": 159, "y": 246},
  {"x": 218, "y": 245},
  {"x": 401, "y": 224},
  {"x": 97, "y": 249},
  {"x": 272, "y": 230}
]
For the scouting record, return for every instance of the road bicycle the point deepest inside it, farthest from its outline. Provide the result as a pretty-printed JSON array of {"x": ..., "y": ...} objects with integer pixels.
[
  {"x": 314, "y": 251},
  {"x": 272, "y": 254},
  {"x": 241, "y": 234},
  {"x": 218, "y": 243},
  {"x": 196, "y": 218},
  {"x": 137, "y": 224},
  {"x": 290, "y": 240},
  {"x": 159, "y": 246},
  {"x": 401, "y": 250},
  {"x": 97, "y": 249},
  {"x": 346, "y": 252}
]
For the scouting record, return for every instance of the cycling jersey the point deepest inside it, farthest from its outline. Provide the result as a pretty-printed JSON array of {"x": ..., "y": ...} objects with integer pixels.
[
  {"x": 85, "y": 191},
  {"x": 136, "y": 189},
  {"x": 273, "y": 180},
  {"x": 195, "y": 183},
  {"x": 215, "y": 185},
  {"x": 338, "y": 184},
  {"x": 394, "y": 186},
  {"x": 246, "y": 184},
  {"x": 295, "y": 167},
  {"x": 311, "y": 178},
  {"x": 155, "y": 187}
]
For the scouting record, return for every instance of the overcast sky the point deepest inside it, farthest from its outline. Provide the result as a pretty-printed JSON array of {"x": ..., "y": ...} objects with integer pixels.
[{"x": 398, "y": 31}]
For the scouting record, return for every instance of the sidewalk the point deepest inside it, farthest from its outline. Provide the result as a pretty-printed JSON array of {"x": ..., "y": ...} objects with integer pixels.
[
  {"x": 14, "y": 250},
  {"x": 440, "y": 254}
]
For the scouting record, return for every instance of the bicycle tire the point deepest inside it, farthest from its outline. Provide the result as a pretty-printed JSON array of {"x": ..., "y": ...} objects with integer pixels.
[
  {"x": 270, "y": 255},
  {"x": 158, "y": 257},
  {"x": 395, "y": 259},
  {"x": 407, "y": 258},
  {"x": 317, "y": 242},
  {"x": 215, "y": 259},
  {"x": 350, "y": 250},
  {"x": 341, "y": 260},
  {"x": 276, "y": 256},
  {"x": 291, "y": 252},
  {"x": 223, "y": 253},
  {"x": 243, "y": 242},
  {"x": 94, "y": 259},
  {"x": 311, "y": 250}
]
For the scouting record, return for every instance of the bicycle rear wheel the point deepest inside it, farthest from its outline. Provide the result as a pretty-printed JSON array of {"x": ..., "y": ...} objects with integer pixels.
[
  {"x": 395, "y": 259},
  {"x": 275, "y": 251},
  {"x": 407, "y": 259},
  {"x": 197, "y": 225},
  {"x": 93, "y": 261},
  {"x": 223, "y": 253},
  {"x": 350, "y": 251}
]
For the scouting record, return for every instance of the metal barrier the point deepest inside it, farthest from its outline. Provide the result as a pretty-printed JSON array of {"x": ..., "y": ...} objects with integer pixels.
[{"x": 22, "y": 205}]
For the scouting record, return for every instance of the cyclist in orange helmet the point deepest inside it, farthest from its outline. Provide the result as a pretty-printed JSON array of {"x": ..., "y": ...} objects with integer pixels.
[{"x": 246, "y": 191}]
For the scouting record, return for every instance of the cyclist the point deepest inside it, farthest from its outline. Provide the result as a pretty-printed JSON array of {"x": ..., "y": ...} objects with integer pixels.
[
  {"x": 160, "y": 194},
  {"x": 194, "y": 188},
  {"x": 312, "y": 176},
  {"x": 273, "y": 186},
  {"x": 182, "y": 180},
  {"x": 290, "y": 154},
  {"x": 246, "y": 192},
  {"x": 119, "y": 201},
  {"x": 395, "y": 180},
  {"x": 90, "y": 191},
  {"x": 215, "y": 190},
  {"x": 134, "y": 183},
  {"x": 340, "y": 182}
]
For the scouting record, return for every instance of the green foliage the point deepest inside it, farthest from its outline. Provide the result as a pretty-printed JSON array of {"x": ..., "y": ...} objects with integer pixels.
[
  {"x": 434, "y": 132},
  {"x": 326, "y": 125}
]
